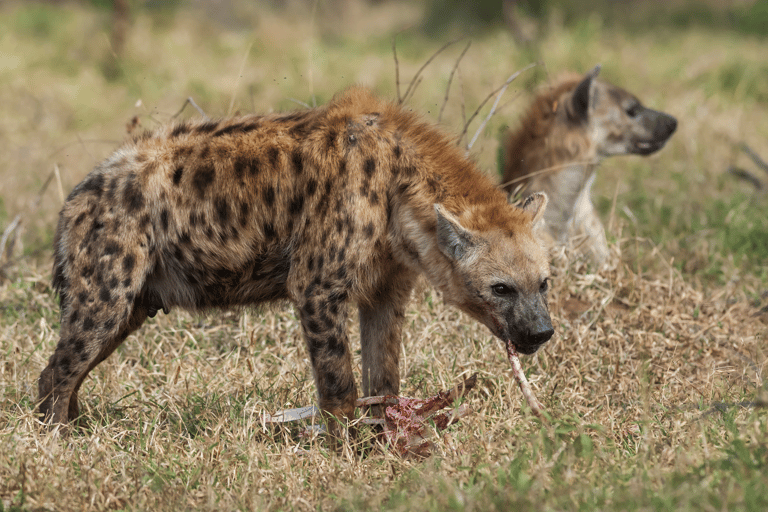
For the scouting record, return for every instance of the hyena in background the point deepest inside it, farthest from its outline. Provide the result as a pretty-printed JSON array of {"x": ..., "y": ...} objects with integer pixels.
[
  {"x": 344, "y": 203},
  {"x": 567, "y": 131}
]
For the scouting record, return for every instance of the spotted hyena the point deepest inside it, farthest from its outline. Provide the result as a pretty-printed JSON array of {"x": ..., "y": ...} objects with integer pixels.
[
  {"x": 567, "y": 131},
  {"x": 349, "y": 202}
]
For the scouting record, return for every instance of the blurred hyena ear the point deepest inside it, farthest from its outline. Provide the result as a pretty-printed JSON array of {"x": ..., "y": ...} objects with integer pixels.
[
  {"x": 452, "y": 239},
  {"x": 535, "y": 204},
  {"x": 578, "y": 107}
]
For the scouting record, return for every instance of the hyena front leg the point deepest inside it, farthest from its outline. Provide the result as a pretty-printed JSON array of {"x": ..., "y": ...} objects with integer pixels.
[
  {"x": 381, "y": 323},
  {"x": 323, "y": 312}
]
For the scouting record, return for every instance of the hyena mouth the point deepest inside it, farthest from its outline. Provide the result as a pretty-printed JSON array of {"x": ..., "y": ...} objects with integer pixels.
[{"x": 648, "y": 147}]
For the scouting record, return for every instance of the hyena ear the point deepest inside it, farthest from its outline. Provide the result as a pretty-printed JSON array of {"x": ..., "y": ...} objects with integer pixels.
[
  {"x": 579, "y": 105},
  {"x": 452, "y": 239},
  {"x": 535, "y": 204}
]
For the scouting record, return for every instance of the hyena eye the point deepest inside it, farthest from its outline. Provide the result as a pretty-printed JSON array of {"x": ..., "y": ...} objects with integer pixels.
[
  {"x": 502, "y": 290},
  {"x": 544, "y": 286},
  {"x": 633, "y": 110}
]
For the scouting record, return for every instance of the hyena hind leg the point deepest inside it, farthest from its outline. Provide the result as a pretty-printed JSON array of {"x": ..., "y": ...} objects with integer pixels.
[{"x": 79, "y": 350}]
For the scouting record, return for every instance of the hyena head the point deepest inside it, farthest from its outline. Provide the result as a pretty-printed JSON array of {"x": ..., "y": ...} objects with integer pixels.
[
  {"x": 500, "y": 278},
  {"x": 619, "y": 123}
]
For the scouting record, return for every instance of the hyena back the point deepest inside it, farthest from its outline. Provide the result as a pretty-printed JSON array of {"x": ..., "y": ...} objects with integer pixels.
[
  {"x": 349, "y": 202},
  {"x": 569, "y": 128}
]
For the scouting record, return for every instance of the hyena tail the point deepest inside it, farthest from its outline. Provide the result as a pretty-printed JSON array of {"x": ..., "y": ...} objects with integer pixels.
[{"x": 101, "y": 283}]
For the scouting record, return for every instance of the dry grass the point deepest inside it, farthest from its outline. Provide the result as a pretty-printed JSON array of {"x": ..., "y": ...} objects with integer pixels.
[{"x": 643, "y": 379}]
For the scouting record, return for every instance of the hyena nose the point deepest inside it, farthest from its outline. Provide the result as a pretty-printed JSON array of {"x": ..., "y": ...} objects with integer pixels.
[
  {"x": 541, "y": 336},
  {"x": 668, "y": 126}
]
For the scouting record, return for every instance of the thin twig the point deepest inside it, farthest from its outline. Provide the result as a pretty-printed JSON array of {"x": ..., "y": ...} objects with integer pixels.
[
  {"x": 754, "y": 157},
  {"x": 237, "y": 80},
  {"x": 450, "y": 79},
  {"x": 397, "y": 67},
  {"x": 311, "y": 35},
  {"x": 414, "y": 83},
  {"x": 299, "y": 102},
  {"x": 553, "y": 168},
  {"x": 496, "y": 103},
  {"x": 502, "y": 88},
  {"x": 58, "y": 181},
  {"x": 6, "y": 234},
  {"x": 189, "y": 101},
  {"x": 746, "y": 176}
]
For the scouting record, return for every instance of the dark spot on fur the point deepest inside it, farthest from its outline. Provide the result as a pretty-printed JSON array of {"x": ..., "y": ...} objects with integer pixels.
[
  {"x": 245, "y": 209},
  {"x": 368, "y": 230},
  {"x": 398, "y": 151},
  {"x": 87, "y": 271},
  {"x": 132, "y": 195},
  {"x": 79, "y": 219},
  {"x": 164, "y": 219},
  {"x": 330, "y": 140},
  {"x": 64, "y": 362},
  {"x": 78, "y": 344},
  {"x": 109, "y": 325},
  {"x": 269, "y": 196},
  {"x": 269, "y": 231},
  {"x": 203, "y": 178},
  {"x": 369, "y": 167},
  {"x": 207, "y": 127},
  {"x": 112, "y": 248},
  {"x": 74, "y": 317},
  {"x": 311, "y": 187},
  {"x": 222, "y": 210},
  {"x": 177, "y": 173},
  {"x": 88, "y": 324},
  {"x": 112, "y": 283},
  {"x": 82, "y": 297},
  {"x": 182, "y": 152},
  {"x": 128, "y": 263},
  {"x": 374, "y": 197},
  {"x": 126, "y": 282},
  {"x": 273, "y": 154},
  {"x": 298, "y": 163},
  {"x": 104, "y": 295},
  {"x": 296, "y": 205},
  {"x": 180, "y": 129},
  {"x": 342, "y": 167},
  {"x": 95, "y": 183},
  {"x": 227, "y": 130},
  {"x": 185, "y": 239}
]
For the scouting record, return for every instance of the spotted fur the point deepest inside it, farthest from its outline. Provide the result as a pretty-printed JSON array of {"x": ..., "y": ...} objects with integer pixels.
[{"x": 346, "y": 203}]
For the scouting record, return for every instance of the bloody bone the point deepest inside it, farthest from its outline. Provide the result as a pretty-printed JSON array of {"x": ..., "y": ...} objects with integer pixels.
[{"x": 525, "y": 387}]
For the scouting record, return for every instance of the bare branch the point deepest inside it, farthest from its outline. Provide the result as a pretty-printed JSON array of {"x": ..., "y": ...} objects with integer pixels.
[
  {"x": 501, "y": 89},
  {"x": 414, "y": 83},
  {"x": 397, "y": 67},
  {"x": 450, "y": 79},
  {"x": 755, "y": 157},
  {"x": 189, "y": 101},
  {"x": 237, "y": 80},
  {"x": 746, "y": 176}
]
